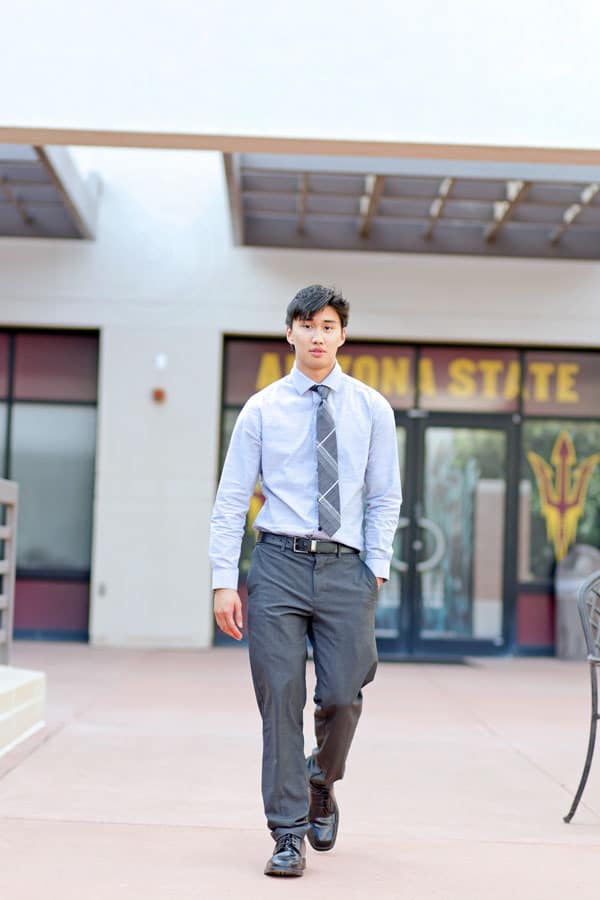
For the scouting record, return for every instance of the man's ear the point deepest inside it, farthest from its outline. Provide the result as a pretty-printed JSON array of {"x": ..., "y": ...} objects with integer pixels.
[
  {"x": 288, "y": 335},
  {"x": 343, "y": 340}
]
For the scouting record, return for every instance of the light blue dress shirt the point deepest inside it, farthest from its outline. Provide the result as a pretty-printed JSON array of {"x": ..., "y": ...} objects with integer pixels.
[{"x": 274, "y": 439}]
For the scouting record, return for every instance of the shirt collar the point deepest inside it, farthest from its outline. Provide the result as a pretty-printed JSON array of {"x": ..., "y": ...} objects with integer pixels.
[{"x": 303, "y": 384}]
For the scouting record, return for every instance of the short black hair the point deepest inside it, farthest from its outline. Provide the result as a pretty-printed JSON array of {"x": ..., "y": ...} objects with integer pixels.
[{"x": 311, "y": 299}]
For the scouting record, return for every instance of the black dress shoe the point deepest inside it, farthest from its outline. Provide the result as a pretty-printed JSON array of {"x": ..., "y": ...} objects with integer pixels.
[
  {"x": 289, "y": 856},
  {"x": 323, "y": 817}
]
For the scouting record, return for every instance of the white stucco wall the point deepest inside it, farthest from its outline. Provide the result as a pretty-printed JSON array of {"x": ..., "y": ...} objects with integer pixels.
[
  {"x": 163, "y": 277},
  {"x": 466, "y": 72}
]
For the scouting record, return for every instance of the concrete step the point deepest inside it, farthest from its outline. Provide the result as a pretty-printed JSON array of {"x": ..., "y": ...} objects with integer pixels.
[{"x": 22, "y": 705}]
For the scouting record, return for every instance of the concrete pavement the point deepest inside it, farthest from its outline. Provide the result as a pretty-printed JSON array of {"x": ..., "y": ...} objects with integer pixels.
[{"x": 145, "y": 783}]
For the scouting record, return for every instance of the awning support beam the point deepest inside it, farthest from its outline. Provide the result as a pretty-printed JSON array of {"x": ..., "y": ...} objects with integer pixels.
[
  {"x": 437, "y": 206},
  {"x": 574, "y": 210},
  {"x": 374, "y": 185},
  {"x": 504, "y": 209}
]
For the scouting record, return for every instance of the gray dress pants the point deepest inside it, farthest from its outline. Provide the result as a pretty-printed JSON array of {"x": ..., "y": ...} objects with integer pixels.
[{"x": 331, "y": 599}]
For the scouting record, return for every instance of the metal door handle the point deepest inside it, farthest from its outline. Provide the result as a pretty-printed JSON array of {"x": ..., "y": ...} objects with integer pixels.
[
  {"x": 399, "y": 565},
  {"x": 439, "y": 549}
]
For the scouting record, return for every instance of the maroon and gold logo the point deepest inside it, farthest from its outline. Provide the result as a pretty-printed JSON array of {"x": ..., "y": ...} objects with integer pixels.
[{"x": 562, "y": 491}]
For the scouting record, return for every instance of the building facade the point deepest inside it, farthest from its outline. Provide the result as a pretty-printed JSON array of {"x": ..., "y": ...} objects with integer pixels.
[{"x": 146, "y": 342}]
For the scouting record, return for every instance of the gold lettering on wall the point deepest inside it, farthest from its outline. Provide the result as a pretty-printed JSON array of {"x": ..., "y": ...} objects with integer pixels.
[
  {"x": 269, "y": 370},
  {"x": 462, "y": 382},
  {"x": 366, "y": 369},
  {"x": 513, "y": 380},
  {"x": 467, "y": 377},
  {"x": 541, "y": 372},
  {"x": 427, "y": 385},
  {"x": 565, "y": 383},
  {"x": 490, "y": 369},
  {"x": 394, "y": 376}
]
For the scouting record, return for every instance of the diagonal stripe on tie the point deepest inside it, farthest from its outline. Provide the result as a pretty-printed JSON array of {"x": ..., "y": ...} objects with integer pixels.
[
  {"x": 323, "y": 440},
  {"x": 323, "y": 496},
  {"x": 328, "y": 463},
  {"x": 327, "y": 466}
]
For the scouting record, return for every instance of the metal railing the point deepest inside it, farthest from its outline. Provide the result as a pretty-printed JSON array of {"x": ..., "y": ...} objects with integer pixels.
[{"x": 8, "y": 536}]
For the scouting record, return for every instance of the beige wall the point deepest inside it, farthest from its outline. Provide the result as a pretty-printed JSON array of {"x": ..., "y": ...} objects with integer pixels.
[{"x": 163, "y": 277}]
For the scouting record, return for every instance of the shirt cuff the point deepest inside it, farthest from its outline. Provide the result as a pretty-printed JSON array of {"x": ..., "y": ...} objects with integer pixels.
[
  {"x": 379, "y": 567},
  {"x": 225, "y": 578}
]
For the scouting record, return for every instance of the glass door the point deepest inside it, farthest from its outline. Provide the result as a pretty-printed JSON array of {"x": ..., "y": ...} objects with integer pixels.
[
  {"x": 453, "y": 548},
  {"x": 460, "y": 543},
  {"x": 392, "y": 613}
]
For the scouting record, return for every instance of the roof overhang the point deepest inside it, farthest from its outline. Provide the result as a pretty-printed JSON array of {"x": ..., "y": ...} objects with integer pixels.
[
  {"x": 483, "y": 207},
  {"x": 391, "y": 196},
  {"x": 43, "y": 195}
]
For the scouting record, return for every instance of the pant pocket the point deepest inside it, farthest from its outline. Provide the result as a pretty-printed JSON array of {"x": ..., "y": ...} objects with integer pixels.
[{"x": 372, "y": 577}]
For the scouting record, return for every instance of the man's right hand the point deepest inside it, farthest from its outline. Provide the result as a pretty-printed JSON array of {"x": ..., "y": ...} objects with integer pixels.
[{"x": 228, "y": 612}]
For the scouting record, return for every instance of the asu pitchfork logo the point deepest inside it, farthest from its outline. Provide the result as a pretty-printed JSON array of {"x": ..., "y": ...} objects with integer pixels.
[{"x": 562, "y": 492}]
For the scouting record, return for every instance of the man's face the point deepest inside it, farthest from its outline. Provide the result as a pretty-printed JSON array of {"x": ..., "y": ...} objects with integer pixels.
[{"x": 317, "y": 341}]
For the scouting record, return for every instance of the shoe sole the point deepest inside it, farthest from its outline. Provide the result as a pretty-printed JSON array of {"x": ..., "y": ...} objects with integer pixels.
[
  {"x": 330, "y": 846},
  {"x": 285, "y": 873}
]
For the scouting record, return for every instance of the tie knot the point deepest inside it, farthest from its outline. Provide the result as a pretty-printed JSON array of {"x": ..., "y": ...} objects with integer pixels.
[{"x": 322, "y": 390}]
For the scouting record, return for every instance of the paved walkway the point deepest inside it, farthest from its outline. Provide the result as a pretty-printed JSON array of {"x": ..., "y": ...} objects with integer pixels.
[{"x": 145, "y": 784}]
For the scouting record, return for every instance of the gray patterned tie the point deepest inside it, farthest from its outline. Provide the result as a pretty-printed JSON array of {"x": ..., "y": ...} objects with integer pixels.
[{"x": 327, "y": 465}]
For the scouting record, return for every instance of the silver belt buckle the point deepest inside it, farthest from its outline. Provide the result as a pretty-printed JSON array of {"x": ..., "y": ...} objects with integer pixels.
[{"x": 312, "y": 548}]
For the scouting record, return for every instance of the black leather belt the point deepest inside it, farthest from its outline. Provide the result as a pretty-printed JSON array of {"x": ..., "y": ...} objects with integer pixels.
[{"x": 304, "y": 545}]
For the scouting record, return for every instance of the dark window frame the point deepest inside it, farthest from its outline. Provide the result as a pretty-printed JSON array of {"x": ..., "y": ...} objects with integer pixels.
[{"x": 80, "y": 575}]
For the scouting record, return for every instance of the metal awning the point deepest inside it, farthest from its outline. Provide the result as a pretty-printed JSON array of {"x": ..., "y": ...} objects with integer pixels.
[
  {"x": 43, "y": 195},
  {"x": 415, "y": 206}
]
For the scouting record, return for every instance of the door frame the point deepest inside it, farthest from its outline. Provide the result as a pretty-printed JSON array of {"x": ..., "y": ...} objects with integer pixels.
[{"x": 409, "y": 643}]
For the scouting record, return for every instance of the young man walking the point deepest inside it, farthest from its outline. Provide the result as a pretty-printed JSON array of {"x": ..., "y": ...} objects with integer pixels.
[{"x": 324, "y": 447}]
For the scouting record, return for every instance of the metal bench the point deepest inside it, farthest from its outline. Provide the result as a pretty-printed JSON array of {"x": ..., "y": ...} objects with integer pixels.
[{"x": 588, "y": 602}]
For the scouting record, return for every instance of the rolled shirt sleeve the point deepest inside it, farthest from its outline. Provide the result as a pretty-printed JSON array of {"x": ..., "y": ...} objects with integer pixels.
[
  {"x": 236, "y": 486},
  {"x": 383, "y": 493}
]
